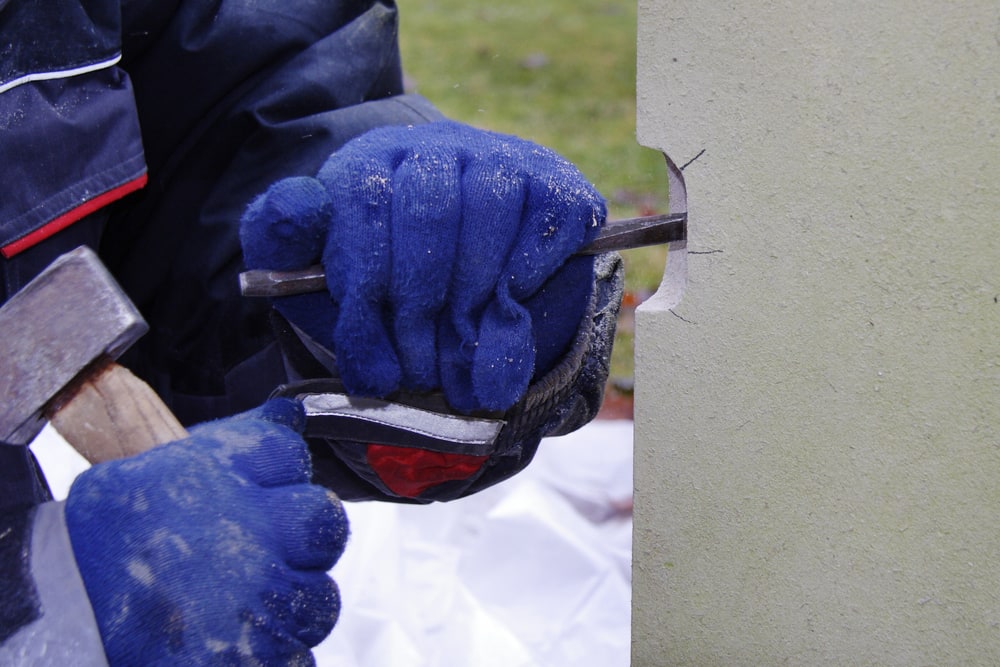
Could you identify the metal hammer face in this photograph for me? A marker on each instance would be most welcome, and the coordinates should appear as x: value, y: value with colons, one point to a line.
x: 71, y: 315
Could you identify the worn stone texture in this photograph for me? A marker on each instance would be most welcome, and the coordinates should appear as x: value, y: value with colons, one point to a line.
x: 818, y: 413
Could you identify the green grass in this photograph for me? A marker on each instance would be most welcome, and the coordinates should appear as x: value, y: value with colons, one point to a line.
x: 558, y: 72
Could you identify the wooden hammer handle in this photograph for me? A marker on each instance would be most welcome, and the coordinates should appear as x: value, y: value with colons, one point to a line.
x: 111, y: 414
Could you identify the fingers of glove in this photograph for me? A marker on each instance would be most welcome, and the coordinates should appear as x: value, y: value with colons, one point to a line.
x: 358, y: 264
x: 366, y: 359
x: 493, y: 196
x: 267, y: 452
x: 357, y: 254
x: 284, y: 411
x: 557, y: 310
x: 279, y: 458
x: 313, y: 525
x: 285, y: 227
x: 505, y: 359
x: 456, y: 357
x: 308, y: 609
x: 562, y: 212
x: 278, y: 415
x: 426, y: 218
x: 521, y: 341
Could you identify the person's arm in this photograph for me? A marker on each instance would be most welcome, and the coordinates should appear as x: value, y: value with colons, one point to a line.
x: 210, y: 550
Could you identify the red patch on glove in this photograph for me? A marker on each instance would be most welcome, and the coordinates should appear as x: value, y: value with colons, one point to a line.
x: 408, y: 472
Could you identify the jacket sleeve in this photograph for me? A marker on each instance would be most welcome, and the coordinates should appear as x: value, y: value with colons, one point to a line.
x: 71, y: 142
x: 46, y: 615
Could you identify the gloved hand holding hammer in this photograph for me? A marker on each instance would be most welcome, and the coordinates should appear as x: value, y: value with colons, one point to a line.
x: 211, y: 550
x: 207, y: 551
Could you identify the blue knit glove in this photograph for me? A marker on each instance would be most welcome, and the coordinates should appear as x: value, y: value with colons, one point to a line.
x: 211, y: 550
x: 445, y: 249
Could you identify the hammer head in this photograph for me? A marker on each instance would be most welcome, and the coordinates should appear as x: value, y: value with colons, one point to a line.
x: 70, y: 315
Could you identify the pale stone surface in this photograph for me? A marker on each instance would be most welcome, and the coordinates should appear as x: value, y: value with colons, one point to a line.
x: 818, y: 418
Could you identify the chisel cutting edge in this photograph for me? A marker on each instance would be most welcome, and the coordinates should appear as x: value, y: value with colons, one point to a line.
x: 614, y: 235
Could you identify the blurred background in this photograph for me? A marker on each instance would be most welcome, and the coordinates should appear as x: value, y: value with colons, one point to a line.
x: 561, y: 73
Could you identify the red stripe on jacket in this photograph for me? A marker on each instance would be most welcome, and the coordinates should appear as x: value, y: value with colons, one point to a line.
x: 69, y: 217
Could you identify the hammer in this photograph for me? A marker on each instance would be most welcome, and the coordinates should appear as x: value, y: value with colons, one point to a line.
x: 61, y: 335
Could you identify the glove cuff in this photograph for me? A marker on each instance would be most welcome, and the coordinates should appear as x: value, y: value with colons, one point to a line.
x: 368, y: 449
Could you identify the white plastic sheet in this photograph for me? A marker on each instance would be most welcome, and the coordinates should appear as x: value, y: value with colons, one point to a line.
x: 534, y: 572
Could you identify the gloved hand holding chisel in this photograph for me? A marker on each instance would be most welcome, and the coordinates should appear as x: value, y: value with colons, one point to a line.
x: 447, y: 253
x: 206, y: 551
